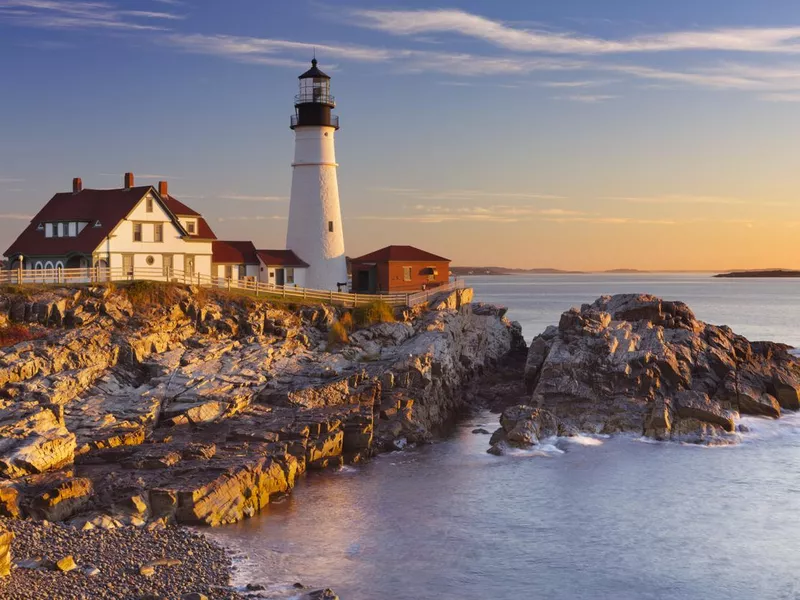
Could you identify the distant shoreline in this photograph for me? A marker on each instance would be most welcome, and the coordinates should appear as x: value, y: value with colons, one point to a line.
x: 768, y: 273
x: 493, y: 271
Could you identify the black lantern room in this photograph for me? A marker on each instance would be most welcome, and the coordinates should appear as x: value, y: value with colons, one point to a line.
x: 314, y: 103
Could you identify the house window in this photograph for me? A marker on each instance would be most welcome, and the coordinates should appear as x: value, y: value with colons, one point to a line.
x: 406, y: 273
x: 189, y: 264
x: 158, y: 232
x: 149, y: 260
x: 228, y: 272
x: 60, y: 230
x: 242, y: 271
x: 137, y: 232
x: 149, y: 204
x: 190, y: 227
x: 166, y: 262
x: 330, y: 226
x: 127, y: 265
x: 290, y: 275
x: 48, y: 230
x: 72, y: 229
x: 431, y: 272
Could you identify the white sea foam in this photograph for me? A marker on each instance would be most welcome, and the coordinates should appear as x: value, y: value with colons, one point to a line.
x: 584, y: 440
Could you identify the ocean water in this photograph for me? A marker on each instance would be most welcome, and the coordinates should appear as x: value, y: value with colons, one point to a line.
x: 584, y: 518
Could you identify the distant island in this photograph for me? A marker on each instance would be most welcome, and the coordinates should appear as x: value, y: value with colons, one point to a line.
x: 763, y: 273
x: 461, y: 271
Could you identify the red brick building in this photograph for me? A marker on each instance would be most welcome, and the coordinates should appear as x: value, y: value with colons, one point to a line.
x: 398, y: 269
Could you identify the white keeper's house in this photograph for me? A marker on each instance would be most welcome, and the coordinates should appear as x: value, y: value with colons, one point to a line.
x: 140, y: 229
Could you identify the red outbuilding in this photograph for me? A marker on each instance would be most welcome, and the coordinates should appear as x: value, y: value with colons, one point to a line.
x: 398, y: 269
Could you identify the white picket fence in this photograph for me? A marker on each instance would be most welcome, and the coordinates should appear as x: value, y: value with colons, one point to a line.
x: 88, y: 275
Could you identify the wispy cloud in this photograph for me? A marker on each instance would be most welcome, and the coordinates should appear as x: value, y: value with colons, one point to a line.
x: 16, y: 216
x: 253, y: 198
x: 497, y: 33
x: 677, y: 199
x: 253, y: 218
x: 288, y: 53
x: 143, y: 176
x: 586, y: 98
x: 601, y: 220
x: 464, y: 195
x: 10, y: 180
x: 64, y: 14
x: 781, y: 97
x: 578, y: 84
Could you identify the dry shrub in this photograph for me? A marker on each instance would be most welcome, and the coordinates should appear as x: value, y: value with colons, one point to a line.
x: 376, y: 311
x: 347, y: 321
x: 146, y: 294
x: 14, y: 333
x: 337, y: 335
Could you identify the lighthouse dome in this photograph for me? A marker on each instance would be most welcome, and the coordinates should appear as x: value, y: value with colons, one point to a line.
x: 313, y: 72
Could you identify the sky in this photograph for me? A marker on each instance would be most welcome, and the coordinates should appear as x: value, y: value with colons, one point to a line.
x: 572, y: 134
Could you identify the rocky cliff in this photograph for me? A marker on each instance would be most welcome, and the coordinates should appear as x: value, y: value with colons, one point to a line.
x: 637, y: 363
x: 152, y: 405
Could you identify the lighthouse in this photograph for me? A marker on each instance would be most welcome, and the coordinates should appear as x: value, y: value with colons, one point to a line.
x: 315, y: 218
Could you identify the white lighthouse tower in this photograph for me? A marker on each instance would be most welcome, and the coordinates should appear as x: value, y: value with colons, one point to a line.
x: 315, y: 219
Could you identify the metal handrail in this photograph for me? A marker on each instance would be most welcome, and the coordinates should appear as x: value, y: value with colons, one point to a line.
x: 334, y: 121
x: 305, y: 97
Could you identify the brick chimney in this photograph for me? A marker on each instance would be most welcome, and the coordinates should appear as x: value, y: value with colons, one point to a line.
x: 77, y: 185
x: 163, y: 190
x: 128, y: 180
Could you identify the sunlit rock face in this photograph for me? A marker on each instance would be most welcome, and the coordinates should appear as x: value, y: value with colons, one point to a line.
x: 638, y: 363
x: 201, y: 408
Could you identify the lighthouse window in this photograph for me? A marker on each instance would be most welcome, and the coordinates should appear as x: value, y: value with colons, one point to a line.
x: 330, y: 226
x: 406, y: 273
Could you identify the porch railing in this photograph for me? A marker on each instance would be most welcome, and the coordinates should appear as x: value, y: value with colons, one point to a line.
x: 90, y: 275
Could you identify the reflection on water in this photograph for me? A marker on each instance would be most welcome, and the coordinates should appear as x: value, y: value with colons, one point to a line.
x: 578, y: 519
x: 612, y: 519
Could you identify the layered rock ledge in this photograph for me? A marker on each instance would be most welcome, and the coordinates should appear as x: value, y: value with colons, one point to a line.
x: 637, y: 363
x: 149, y: 405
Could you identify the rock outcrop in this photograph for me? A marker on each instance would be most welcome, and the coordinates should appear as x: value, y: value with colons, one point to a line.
x: 638, y: 363
x: 155, y: 404
x: 5, y: 552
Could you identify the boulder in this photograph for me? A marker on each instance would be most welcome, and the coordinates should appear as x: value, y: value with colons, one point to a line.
x: 5, y: 552
x: 59, y: 500
x: 33, y: 439
x: 635, y: 362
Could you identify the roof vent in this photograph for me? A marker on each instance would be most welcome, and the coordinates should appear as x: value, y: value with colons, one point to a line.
x: 97, y: 224
x: 128, y: 180
x: 40, y: 227
x: 77, y: 185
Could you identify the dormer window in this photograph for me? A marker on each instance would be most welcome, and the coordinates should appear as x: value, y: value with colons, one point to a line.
x: 48, y: 230
x: 190, y: 227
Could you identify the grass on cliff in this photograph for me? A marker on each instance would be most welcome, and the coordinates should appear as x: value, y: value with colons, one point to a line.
x: 15, y: 333
x: 337, y: 335
x: 376, y: 311
x: 147, y: 294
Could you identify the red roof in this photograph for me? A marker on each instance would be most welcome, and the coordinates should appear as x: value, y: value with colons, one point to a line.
x: 400, y: 253
x: 108, y: 207
x: 204, y: 232
x: 280, y: 258
x: 238, y: 253
x: 179, y: 208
